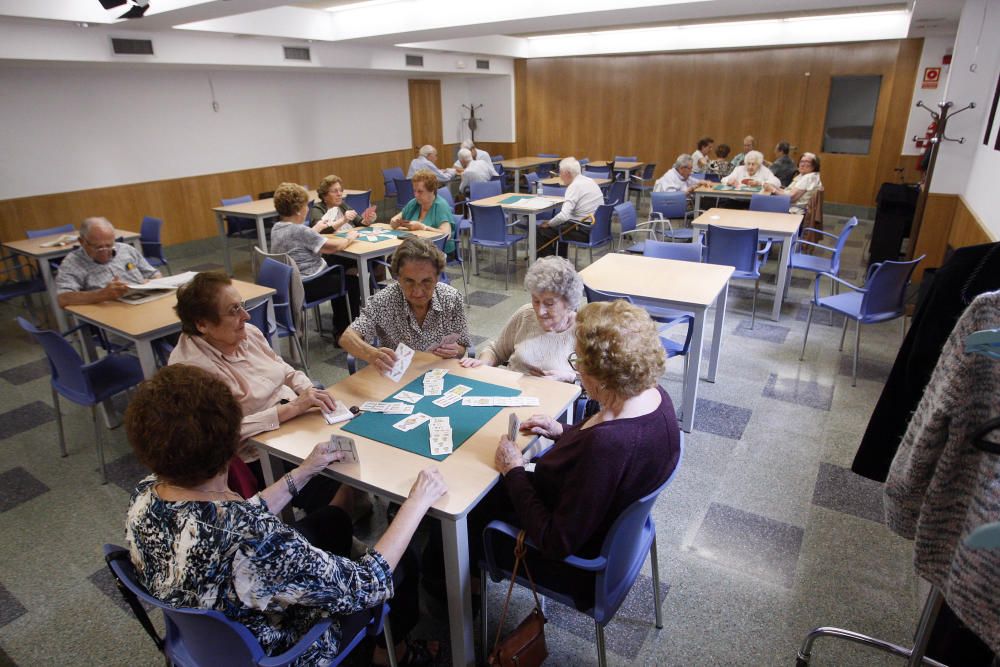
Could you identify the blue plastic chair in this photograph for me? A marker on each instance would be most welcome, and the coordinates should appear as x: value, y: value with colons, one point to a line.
x: 883, y: 298
x: 617, y: 193
x: 87, y: 384
x: 599, y: 232
x: 389, y: 177
x: 404, y: 192
x: 665, y: 207
x: 626, y: 158
x: 484, y: 189
x: 359, y: 202
x: 440, y: 243
x: 698, y: 175
x: 260, y: 319
x: 489, y: 230
x: 532, y: 182
x: 278, y: 277
x: 19, y: 278
x: 497, y: 158
x: 770, y: 203
x: 152, y: 246
x: 202, y: 637
x: 631, y: 537
x: 597, y: 171
x: 665, y: 316
x: 684, y: 252
x: 738, y: 248
x: 819, y: 263
x: 38, y: 233
x: 237, y: 226
x: 629, y: 225
x: 642, y: 183
x: 314, y: 304
x: 584, y: 161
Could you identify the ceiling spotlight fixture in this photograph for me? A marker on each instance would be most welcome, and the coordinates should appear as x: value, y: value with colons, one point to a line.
x: 137, y: 8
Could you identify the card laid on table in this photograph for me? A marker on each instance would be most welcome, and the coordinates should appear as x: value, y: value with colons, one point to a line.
x: 447, y: 399
x: 411, y: 422
x: 408, y: 396
x: 341, y: 414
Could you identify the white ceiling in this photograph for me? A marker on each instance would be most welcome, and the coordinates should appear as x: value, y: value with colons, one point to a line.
x: 509, y: 28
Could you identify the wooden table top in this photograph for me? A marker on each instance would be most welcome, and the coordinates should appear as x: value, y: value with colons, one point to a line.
x: 775, y: 223
x: 139, y: 320
x: 469, y: 471
x: 33, y: 247
x: 709, y: 189
x: 558, y: 183
x: 496, y: 199
x: 360, y: 247
x: 671, y: 280
x: 527, y: 162
x: 266, y: 206
x: 618, y: 165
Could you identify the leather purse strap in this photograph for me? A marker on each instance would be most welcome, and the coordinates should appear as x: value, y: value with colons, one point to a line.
x: 519, y: 554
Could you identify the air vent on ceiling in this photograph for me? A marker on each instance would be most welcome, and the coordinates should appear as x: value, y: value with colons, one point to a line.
x: 414, y: 61
x: 482, y: 64
x: 297, y: 53
x: 131, y: 47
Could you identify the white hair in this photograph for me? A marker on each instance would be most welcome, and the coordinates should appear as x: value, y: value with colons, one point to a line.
x: 570, y: 165
x: 556, y: 275
x: 468, y: 144
x: 91, y: 223
x: 426, y: 150
x: 754, y: 156
x: 465, y: 155
x: 683, y: 160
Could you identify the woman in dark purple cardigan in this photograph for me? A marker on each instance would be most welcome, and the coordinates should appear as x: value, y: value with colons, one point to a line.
x: 598, y: 468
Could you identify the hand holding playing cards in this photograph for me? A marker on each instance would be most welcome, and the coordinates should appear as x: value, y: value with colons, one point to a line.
x: 542, y: 425
x: 314, y: 398
x: 449, y: 350
x: 383, y: 359
x: 322, y: 455
x: 428, y: 488
x: 507, y: 456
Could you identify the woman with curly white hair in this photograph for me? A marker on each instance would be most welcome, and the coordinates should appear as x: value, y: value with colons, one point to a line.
x: 538, y: 338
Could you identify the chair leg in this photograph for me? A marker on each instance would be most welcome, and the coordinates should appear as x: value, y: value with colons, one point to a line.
x: 390, y: 644
x: 99, y: 443
x: 62, y: 435
x: 843, y: 333
x: 857, y: 345
x: 602, y: 655
x: 809, y: 319
x: 655, y: 565
x: 753, y: 308
x: 302, y: 354
x: 902, y: 328
x: 304, y: 347
x: 484, y: 626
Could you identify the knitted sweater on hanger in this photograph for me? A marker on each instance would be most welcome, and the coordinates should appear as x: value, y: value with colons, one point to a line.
x: 940, y: 487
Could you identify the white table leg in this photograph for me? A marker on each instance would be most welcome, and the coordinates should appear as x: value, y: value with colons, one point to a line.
x: 144, y: 346
x: 459, y: 586
x: 517, y: 180
x: 261, y: 234
x: 779, y: 288
x: 720, y: 316
x: 697, y: 200
x: 693, y: 372
x: 532, y: 237
x: 221, y: 224
x: 50, y: 287
x: 366, y: 288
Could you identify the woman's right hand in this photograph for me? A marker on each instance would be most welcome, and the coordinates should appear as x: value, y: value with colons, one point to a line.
x: 350, y: 215
x: 428, y: 488
x: 542, y: 425
x: 395, y: 220
x: 352, y: 235
x: 314, y: 398
x: 383, y: 359
x: 470, y: 362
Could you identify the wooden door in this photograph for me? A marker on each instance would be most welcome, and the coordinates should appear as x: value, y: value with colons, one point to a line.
x: 425, y: 112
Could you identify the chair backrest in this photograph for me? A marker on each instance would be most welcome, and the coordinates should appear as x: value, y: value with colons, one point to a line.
x: 278, y: 277
x: 626, y: 546
x: 685, y: 252
x: 626, y: 158
x: 597, y: 171
x: 601, y: 229
x: 149, y: 229
x: 698, y: 175
x: 532, y: 178
x: 445, y: 194
x: 886, y: 289
x: 732, y: 247
x: 555, y: 155
x: 497, y: 158
x: 592, y: 295
x: 838, y: 248
x: 268, y: 194
x: 626, y: 216
x: 484, y: 189
x: 61, y: 229
x: 242, y: 199
x: 404, y: 191
x: 770, y: 203
x: 259, y: 318
x: 65, y: 363
x: 649, y: 171
x: 617, y: 193
x: 670, y: 205
x: 389, y: 177
x: 715, y: 178
x: 584, y: 161
x: 488, y: 223
x: 359, y: 202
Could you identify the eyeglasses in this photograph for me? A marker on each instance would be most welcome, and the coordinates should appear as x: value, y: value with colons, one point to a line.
x: 572, y: 360
x: 99, y: 248
x: 237, y: 308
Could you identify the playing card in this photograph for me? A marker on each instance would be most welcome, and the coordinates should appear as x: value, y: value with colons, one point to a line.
x: 433, y: 387
x: 371, y: 239
x: 404, y: 355
x: 449, y: 339
x: 505, y: 401
x: 373, y: 406
x: 441, y: 444
x: 447, y: 399
x: 398, y: 409
x: 408, y: 396
x: 460, y: 390
x: 342, y: 443
x: 439, y: 424
x: 411, y: 422
x: 528, y: 401
x: 341, y: 414
x: 513, y: 425
x: 478, y: 401
x: 437, y: 373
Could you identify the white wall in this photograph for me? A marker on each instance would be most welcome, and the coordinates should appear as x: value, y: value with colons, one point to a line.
x: 933, y: 52
x: 73, y: 128
x: 495, y: 118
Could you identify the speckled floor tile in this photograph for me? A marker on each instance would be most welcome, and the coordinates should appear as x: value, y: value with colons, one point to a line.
x: 868, y: 369
x: 126, y: 472
x: 772, y: 333
x: 485, y: 299
x: 26, y: 372
x: 802, y: 392
x: 841, y: 490
x: 17, y: 486
x: 25, y: 417
x: 10, y: 607
x: 721, y: 418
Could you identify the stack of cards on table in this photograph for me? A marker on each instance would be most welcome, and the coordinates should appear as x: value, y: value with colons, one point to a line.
x: 440, y: 428
x: 500, y: 401
x: 434, y: 382
x: 454, y: 395
x: 388, y: 408
x: 404, y: 355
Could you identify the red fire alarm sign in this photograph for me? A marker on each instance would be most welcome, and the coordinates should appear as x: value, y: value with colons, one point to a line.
x: 931, y: 77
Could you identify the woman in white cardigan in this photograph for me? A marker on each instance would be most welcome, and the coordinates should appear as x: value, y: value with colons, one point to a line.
x: 752, y: 173
x: 539, y: 337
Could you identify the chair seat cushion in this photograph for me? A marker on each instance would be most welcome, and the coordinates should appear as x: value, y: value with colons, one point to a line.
x: 847, y: 303
x: 684, y: 233
x: 109, y: 376
x: 638, y: 248
x: 811, y: 262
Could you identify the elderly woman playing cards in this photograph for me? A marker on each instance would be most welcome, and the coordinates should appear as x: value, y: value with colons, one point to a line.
x: 538, y: 338
x: 197, y: 543
x: 416, y: 311
x: 599, y: 467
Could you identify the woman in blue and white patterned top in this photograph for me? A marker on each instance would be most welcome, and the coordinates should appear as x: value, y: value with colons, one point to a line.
x: 196, y: 543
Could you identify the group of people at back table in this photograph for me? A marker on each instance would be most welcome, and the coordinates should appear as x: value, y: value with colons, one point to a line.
x: 203, y: 529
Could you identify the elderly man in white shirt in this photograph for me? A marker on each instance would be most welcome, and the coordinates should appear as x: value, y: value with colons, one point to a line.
x: 678, y: 178
x: 426, y: 159
x: 752, y: 173
x: 479, y: 155
x: 583, y: 196
x: 473, y: 171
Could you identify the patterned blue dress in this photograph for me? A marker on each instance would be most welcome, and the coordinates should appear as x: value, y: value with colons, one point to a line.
x: 238, y: 558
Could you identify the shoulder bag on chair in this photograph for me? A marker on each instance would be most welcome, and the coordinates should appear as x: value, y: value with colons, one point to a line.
x: 525, y: 646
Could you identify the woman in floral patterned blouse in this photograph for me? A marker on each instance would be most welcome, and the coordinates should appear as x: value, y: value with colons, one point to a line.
x: 196, y: 543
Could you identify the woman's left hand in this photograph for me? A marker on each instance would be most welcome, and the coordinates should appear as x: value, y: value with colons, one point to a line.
x: 559, y: 376
x: 507, y: 456
x: 319, y: 458
x: 448, y: 350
